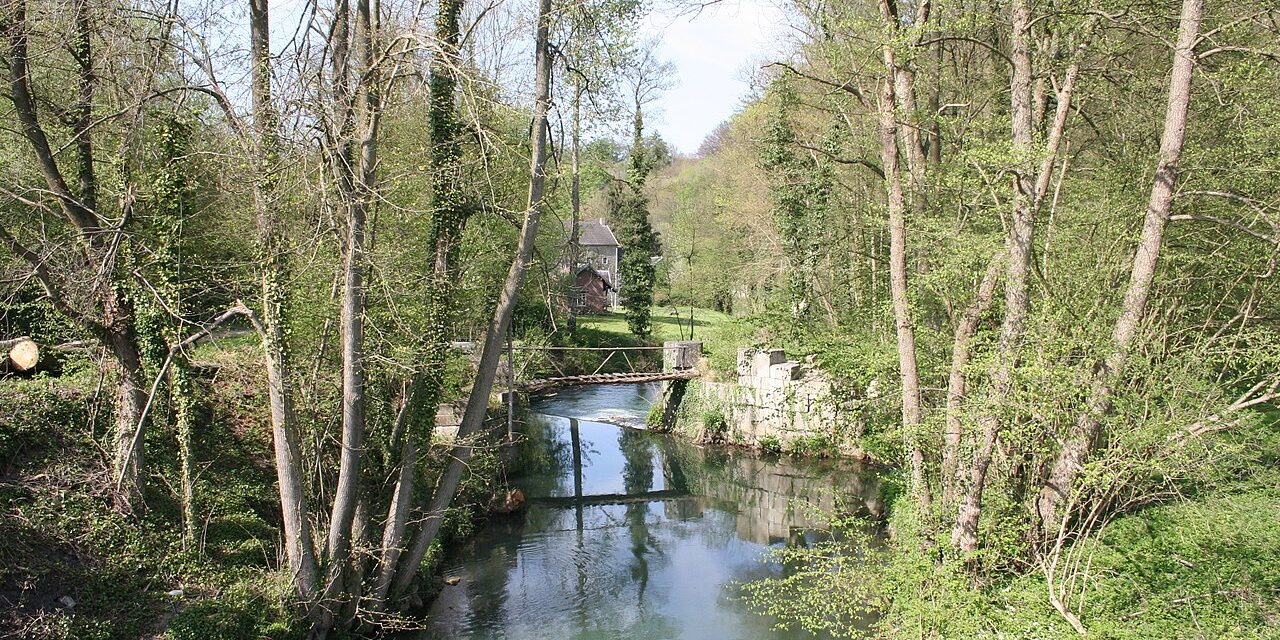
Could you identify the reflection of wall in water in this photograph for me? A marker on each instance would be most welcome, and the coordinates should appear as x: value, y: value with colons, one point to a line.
x: 772, y: 499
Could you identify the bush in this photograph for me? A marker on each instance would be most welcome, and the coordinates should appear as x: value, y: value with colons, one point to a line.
x: 817, y: 445
x: 771, y: 444
x: 714, y: 426
x: 654, y: 419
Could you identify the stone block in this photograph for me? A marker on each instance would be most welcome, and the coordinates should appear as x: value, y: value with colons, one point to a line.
x: 679, y: 355
x: 760, y: 363
x: 745, y: 360
x: 784, y: 371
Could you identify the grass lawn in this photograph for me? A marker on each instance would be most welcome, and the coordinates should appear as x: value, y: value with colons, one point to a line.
x: 720, y: 334
x: 666, y: 326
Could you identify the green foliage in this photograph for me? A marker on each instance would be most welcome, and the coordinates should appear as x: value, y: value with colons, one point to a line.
x: 653, y: 419
x: 59, y: 536
x: 771, y: 444
x: 814, y: 445
x: 853, y: 585
x: 240, y: 612
x: 34, y: 415
x: 636, y: 272
x: 714, y: 425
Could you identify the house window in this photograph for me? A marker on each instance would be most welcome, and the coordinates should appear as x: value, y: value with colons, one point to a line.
x: 580, y: 300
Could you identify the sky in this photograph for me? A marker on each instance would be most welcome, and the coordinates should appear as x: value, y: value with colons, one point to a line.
x: 715, y: 53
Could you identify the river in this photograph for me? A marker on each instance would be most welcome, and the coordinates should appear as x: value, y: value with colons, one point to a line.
x: 631, y: 534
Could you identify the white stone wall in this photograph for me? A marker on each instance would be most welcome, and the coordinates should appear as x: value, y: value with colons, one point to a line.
x: 786, y: 399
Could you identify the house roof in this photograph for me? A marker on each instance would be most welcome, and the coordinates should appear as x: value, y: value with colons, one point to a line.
x: 595, y: 272
x: 594, y: 231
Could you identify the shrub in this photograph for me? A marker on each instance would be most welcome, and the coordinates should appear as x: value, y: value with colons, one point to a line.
x: 714, y: 426
x: 654, y: 419
x: 771, y: 444
x: 813, y: 445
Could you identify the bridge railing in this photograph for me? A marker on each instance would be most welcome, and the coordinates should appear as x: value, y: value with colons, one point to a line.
x: 679, y: 358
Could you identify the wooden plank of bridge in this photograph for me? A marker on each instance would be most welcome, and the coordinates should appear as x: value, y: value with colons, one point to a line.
x: 605, y: 378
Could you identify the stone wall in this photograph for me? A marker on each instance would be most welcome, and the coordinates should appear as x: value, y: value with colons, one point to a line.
x: 778, y: 399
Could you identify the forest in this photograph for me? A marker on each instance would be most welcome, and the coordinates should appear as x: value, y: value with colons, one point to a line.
x: 251, y: 251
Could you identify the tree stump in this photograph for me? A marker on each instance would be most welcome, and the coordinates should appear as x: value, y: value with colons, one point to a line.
x: 23, y: 354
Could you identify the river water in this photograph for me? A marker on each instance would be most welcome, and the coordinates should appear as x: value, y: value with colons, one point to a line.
x: 636, y: 535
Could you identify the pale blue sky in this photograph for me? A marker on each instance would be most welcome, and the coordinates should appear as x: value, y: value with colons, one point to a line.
x: 715, y: 54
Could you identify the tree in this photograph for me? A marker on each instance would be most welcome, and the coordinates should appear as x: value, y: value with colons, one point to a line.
x: 271, y: 268
x: 1029, y: 191
x: 908, y: 368
x: 478, y: 400
x: 598, y: 39
x: 449, y: 214
x: 637, y: 274
x: 1058, y: 486
x: 788, y: 190
x: 105, y: 312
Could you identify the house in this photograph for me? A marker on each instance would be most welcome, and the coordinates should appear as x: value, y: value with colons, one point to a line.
x: 598, y: 250
x: 592, y: 292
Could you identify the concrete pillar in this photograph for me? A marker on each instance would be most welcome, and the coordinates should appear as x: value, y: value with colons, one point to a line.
x: 678, y: 355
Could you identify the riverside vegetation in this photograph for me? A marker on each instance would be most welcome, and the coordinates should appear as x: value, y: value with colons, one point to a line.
x: 1036, y: 241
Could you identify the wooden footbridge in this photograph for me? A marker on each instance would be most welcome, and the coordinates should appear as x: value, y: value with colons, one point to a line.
x: 679, y: 361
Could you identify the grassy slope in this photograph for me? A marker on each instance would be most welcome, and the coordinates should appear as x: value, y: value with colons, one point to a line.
x: 1202, y: 568
x: 720, y: 334
x: 59, y: 537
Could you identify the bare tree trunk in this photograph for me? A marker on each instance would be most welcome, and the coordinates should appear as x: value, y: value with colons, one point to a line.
x: 449, y: 217
x: 131, y: 397
x: 1029, y: 192
x: 575, y: 206
x: 961, y: 354
x: 359, y: 200
x: 1088, y: 426
x: 910, y: 135
x: 299, y: 545
x: 910, y: 376
x: 114, y: 325
x: 478, y: 402
x: 1016, y: 302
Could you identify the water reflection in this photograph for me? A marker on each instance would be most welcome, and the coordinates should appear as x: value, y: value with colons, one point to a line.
x: 630, y: 534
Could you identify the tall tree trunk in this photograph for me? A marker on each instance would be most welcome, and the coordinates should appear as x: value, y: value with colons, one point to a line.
x: 575, y: 205
x: 478, y: 402
x: 131, y: 398
x: 114, y: 325
x: 184, y: 422
x: 1029, y: 191
x: 910, y: 376
x: 961, y: 354
x: 359, y: 200
x: 294, y: 511
x: 913, y: 134
x: 1066, y: 468
x: 449, y: 218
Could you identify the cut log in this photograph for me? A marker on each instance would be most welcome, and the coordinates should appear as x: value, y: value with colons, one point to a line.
x: 24, y: 355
